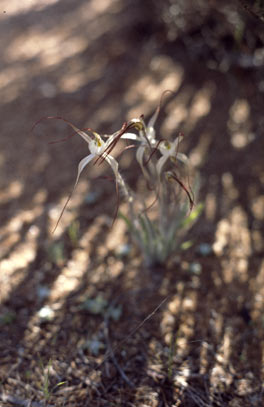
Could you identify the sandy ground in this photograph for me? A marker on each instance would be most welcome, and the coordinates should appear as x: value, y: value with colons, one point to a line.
x: 98, y: 63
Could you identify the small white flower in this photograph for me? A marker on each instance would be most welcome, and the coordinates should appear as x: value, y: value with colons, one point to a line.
x: 97, y: 147
x: 145, y: 137
x: 99, y: 150
x: 168, y: 151
x: 148, y: 143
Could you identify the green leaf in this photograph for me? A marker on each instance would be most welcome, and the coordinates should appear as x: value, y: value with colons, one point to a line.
x: 73, y: 232
x: 186, y: 245
x: 127, y: 221
x: 56, y: 253
x: 193, y: 216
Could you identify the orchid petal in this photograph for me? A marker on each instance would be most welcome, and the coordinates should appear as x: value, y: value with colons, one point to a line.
x: 113, y: 164
x: 81, y: 133
x: 160, y: 164
x: 153, y: 119
x: 151, y: 134
x: 182, y: 157
x: 140, y: 157
x: 82, y: 165
x: 130, y: 136
x: 179, y: 138
x: 113, y: 138
x: 119, y: 180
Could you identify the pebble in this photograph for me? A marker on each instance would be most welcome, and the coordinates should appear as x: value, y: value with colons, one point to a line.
x: 46, y: 313
x: 123, y: 250
x: 195, y: 268
x: 204, y: 249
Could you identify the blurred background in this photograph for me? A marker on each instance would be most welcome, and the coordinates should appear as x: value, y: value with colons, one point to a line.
x: 98, y: 63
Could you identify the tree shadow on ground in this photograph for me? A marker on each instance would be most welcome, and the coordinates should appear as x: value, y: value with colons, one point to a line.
x: 199, y: 345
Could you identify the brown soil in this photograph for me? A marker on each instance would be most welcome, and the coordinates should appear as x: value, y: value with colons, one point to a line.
x: 188, y: 334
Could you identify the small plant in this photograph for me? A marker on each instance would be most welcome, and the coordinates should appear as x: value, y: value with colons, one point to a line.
x: 46, y: 387
x: 158, y: 228
x: 7, y: 318
x: 159, y: 216
x: 56, y: 253
x: 100, y: 306
x: 73, y: 233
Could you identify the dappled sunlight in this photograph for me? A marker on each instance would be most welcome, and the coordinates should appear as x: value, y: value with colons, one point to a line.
x: 56, y: 44
x: 210, y: 207
x: 184, y: 117
x: 9, y: 75
x: 232, y: 235
x: 26, y: 216
x: 239, y: 244
x: 241, y: 140
x: 176, y: 116
x: 36, y: 43
x: 15, y: 7
x: 229, y: 188
x: 70, y: 276
x: 199, y: 153
x: 222, y: 356
x: 164, y: 75
x: 177, y: 110
x: 14, y: 266
x: 116, y: 236
x: 99, y: 7
x: 76, y: 77
x: 239, y: 124
x: 201, y: 104
x: 13, y: 191
x: 257, y: 206
x: 44, y: 49
x: 69, y: 212
x: 196, y: 321
x: 180, y: 310
x: 257, y: 285
x: 12, y: 83
x: 239, y: 112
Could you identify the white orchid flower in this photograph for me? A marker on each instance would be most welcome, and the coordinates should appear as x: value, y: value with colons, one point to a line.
x: 98, y: 149
x: 169, y: 151
x: 97, y: 146
x: 145, y: 137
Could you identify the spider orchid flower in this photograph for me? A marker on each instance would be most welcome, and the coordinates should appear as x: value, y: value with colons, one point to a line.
x: 97, y: 147
x: 145, y: 137
x: 169, y: 151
